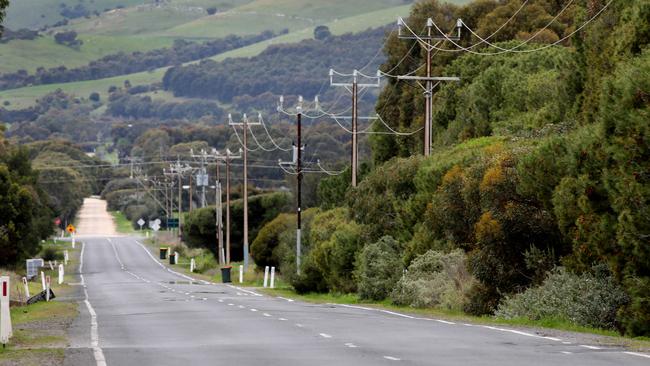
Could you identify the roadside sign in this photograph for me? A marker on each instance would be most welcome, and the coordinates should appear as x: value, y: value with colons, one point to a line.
x: 154, y: 226
x: 70, y: 229
x: 141, y: 223
x: 172, y: 223
x: 57, y: 221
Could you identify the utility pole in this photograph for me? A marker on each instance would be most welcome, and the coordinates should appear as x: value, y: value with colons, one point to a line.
x: 132, y: 160
x: 179, y: 170
x: 426, y: 42
x: 245, y: 123
x: 228, y: 160
x: 202, y: 178
x: 354, y: 88
x: 297, y: 163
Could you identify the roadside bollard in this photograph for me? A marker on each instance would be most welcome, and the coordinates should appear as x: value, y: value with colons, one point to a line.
x: 272, y: 277
x: 65, y: 257
x: 192, y: 265
x: 47, y: 288
x: 266, y: 276
x: 61, y: 273
x: 51, y: 265
x: 43, y: 280
x: 5, y: 315
x: 26, y: 288
x: 241, y: 274
x: 73, y: 240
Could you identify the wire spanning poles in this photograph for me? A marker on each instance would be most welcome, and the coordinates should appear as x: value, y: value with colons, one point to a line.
x: 354, y: 88
x: 427, y: 43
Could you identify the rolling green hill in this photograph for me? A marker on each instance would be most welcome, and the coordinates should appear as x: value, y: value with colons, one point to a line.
x: 23, y: 97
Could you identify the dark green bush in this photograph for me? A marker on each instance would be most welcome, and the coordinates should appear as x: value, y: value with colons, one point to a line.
x: 51, y: 254
x: 379, y: 267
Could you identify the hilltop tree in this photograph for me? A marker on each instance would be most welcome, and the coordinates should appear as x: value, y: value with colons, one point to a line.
x: 3, y: 6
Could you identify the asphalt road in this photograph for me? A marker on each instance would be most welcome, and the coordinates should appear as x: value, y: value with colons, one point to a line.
x: 147, y: 315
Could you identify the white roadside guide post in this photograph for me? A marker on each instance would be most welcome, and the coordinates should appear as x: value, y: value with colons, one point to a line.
x: 5, y: 315
x: 266, y: 276
x: 47, y: 288
x: 65, y: 257
x: 73, y: 240
x: 43, y: 280
x: 272, y: 277
x: 26, y: 288
x: 192, y: 265
x: 241, y: 274
x: 61, y: 273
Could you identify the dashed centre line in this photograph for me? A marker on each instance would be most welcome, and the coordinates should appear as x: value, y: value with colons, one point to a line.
x: 392, y: 358
x: 325, y: 335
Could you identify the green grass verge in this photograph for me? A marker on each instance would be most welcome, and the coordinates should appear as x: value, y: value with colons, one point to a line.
x: 122, y: 223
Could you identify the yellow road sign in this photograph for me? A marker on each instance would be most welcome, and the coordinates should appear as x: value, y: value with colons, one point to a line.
x: 70, y: 229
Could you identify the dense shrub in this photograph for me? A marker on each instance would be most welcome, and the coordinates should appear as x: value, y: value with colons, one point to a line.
x: 335, y: 242
x: 379, y: 267
x: 51, y: 254
x: 263, y: 248
x: 435, y: 279
x: 589, y: 299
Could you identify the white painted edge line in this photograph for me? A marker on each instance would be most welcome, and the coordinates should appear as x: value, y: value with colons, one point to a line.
x: 285, y: 299
x: 589, y: 347
x: 283, y: 319
x: 637, y: 354
x: 98, y: 354
x: 392, y: 358
x: 247, y: 291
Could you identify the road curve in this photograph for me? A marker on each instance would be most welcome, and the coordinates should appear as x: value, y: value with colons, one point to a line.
x: 147, y: 315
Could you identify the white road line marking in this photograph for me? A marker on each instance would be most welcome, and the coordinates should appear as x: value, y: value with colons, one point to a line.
x: 325, y: 335
x: 205, y: 299
x: 392, y: 358
x: 398, y: 314
x: 553, y: 339
x: 285, y: 299
x: 253, y: 310
x: 567, y: 352
x: 566, y: 342
x: 115, y: 251
x: 242, y: 290
x: 589, y: 347
x: 515, y: 332
x: 353, y: 307
x: 220, y: 300
x: 444, y: 321
x: 98, y: 354
x: 299, y: 325
x: 266, y: 314
x: 637, y: 354
x: 187, y: 293
x: 282, y: 319
x: 351, y: 345
x: 468, y: 325
x: 231, y: 304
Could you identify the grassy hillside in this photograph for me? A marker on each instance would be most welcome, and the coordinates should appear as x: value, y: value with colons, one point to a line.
x: 20, y: 98
x: 37, y: 13
x: 43, y: 51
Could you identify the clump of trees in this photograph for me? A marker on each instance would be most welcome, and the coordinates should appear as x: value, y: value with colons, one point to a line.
x: 25, y: 215
x: 280, y: 69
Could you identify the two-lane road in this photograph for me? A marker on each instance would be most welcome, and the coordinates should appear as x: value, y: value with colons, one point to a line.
x: 146, y: 315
